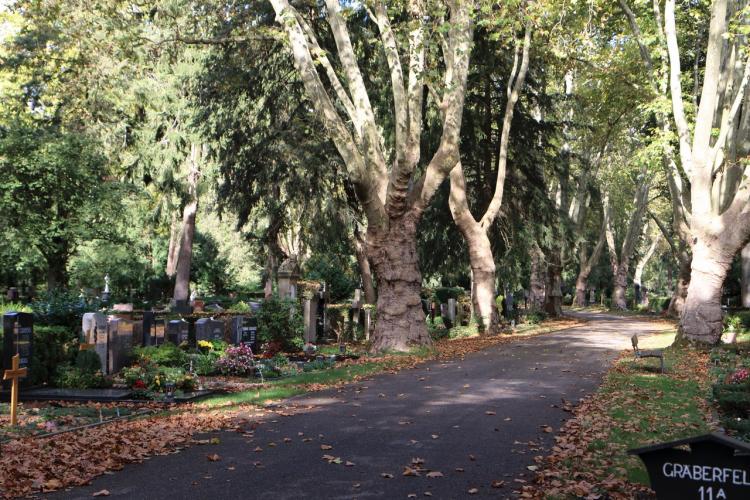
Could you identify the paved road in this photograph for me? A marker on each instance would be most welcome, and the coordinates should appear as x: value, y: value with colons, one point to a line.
x: 472, y: 420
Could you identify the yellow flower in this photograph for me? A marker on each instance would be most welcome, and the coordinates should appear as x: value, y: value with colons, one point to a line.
x: 205, y: 343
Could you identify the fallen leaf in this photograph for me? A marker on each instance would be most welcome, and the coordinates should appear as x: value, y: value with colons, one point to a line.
x: 258, y: 449
x: 101, y: 493
x: 434, y: 474
x: 349, y: 464
x: 489, y: 413
x: 498, y: 484
x: 386, y: 475
x: 435, y: 436
x: 325, y: 447
x: 213, y: 457
x: 408, y: 471
x: 473, y: 491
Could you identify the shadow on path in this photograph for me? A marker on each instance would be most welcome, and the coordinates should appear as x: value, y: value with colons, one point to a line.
x: 476, y: 420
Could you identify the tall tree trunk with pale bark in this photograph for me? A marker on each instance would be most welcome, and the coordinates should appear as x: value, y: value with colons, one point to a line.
x: 620, y: 261
x: 185, y: 253
x: 587, y: 265
x: 392, y: 191
x: 537, y: 278
x: 712, y: 151
x: 475, y: 231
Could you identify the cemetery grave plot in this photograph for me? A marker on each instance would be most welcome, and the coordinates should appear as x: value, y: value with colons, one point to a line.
x: 38, y: 419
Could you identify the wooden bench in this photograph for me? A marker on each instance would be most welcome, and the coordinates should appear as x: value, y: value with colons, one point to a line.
x: 657, y: 353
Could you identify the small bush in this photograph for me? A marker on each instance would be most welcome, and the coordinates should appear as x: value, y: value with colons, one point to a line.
x: 535, y: 317
x: 72, y: 377
x: 62, y: 308
x: 280, y: 321
x: 53, y: 346
x: 88, y: 362
x: 166, y: 354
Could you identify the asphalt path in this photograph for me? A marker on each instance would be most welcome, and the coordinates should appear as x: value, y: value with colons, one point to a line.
x: 474, y: 421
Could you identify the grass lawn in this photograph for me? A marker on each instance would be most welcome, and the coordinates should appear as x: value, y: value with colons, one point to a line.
x: 635, y: 406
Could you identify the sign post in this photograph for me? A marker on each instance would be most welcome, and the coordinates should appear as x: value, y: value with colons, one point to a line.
x: 708, y: 467
x: 14, y: 374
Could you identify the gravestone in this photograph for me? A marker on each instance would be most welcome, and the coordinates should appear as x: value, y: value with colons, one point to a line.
x: 209, y: 329
x: 509, y: 305
x: 13, y: 294
x: 321, y: 319
x: 433, y: 308
x: 123, y: 310
x: 288, y: 274
x: 446, y: 317
x: 592, y: 296
x: 452, y: 311
x: 149, y: 318
x: 177, y: 331
x: 18, y: 338
x: 459, y: 314
x: 367, y: 323
x: 310, y: 317
x: 120, y: 344
x: 245, y: 331
x: 94, y: 327
x: 708, y: 467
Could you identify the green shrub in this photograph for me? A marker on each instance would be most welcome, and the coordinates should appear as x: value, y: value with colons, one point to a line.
x: 88, y: 362
x: 53, y: 346
x: 72, y: 377
x: 733, y: 399
x: 280, y: 320
x: 535, y: 317
x: 166, y: 354
x: 744, y: 318
x: 337, y: 273
x: 63, y: 308
x: 14, y: 307
x: 205, y: 364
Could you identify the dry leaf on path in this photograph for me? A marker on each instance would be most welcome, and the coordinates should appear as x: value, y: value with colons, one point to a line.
x: 101, y: 493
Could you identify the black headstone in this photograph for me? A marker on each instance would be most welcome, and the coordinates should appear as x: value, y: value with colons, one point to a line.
x: 708, y: 467
x: 180, y: 306
x: 177, y: 331
x: 245, y: 331
x: 18, y: 338
x: 209, y: 329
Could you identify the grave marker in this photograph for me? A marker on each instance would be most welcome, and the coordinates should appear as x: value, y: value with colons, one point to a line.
x: 13, y: 375
x: 18, y: 338
x: 177, y: 331
x: 119, y: 345
x: 209, y: 329
x: 245, y: 331
x: 708, y: 467
x: 310, y: 317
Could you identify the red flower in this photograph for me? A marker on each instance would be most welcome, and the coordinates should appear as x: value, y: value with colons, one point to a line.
x: 139, y: 384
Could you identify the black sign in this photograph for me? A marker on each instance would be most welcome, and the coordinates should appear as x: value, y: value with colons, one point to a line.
x: 177, y: 331
x: 18, y: 338
x: 250, y: 332
x: 709, y: 467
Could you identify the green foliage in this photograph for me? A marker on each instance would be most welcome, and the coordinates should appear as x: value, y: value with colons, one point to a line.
x: 60, y: 307
x: 733, y: 322
x: 14, y: 307
x: 54, y: 346
x: 88, y: 361
x: 205, y: 364
x: 744, y: 318
x: 280, y: 320
x: 166, y: 354
x: 72, y: 377
x: 339, y: 276
x: 319, y: 364
x: 535, y: 317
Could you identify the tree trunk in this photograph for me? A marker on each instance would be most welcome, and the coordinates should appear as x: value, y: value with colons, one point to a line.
x: 702, y: 316
x: 360, y: 248
x: 620, y: 285
x: 587, y: 265
x: 537, y: 279
x: 174, y: 242
x: 677, y: 303
x: 57, y: 263
x: 400, y: 322
x: 745, y: 258
x: 582, y: 283
x: 185, y: 256
x: 553, y: 286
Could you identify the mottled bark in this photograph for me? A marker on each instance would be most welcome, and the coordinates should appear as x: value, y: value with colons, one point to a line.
x: 185, y: 255
x: 400, y: 321
x: 360, y: 249
x: 537, y: 279
x: 174, y: 245
x: 702, y: 316
x: 745, y: 259
x: 587, y: 265
x: 677, y: 303
x: 553, y: 285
